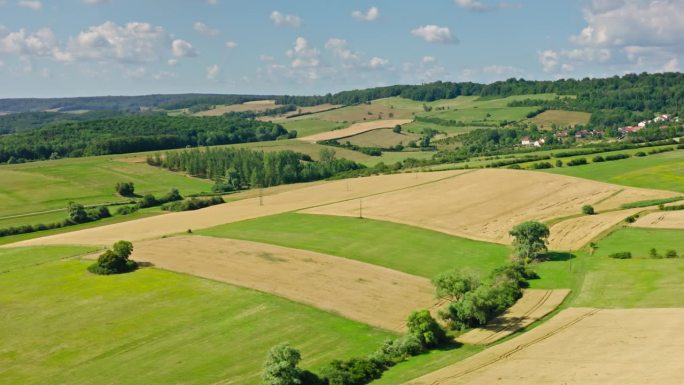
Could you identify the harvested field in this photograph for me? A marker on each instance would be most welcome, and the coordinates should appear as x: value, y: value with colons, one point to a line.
x: 662, y: 220
x: 581, y: 346
x: 309, y: 195
x: 355, y: 129
x: 256, y: 106
x: 576, y: 232
x: 383, y: 137
x: 561, y: 118
x: 486, y: 204
x: 533, y: 305
x: 356, y: 290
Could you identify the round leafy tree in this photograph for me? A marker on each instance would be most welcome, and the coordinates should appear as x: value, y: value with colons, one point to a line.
x: 115, y: 261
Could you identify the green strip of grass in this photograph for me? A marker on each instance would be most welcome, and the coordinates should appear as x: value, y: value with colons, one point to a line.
x: 651, y: 202
x: 63, y: 325
x: 405, y: 248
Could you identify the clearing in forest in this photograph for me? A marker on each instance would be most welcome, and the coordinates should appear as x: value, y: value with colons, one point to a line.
x: 581, y: 346
x: 486, y: 204
x: 355, y: 290
x: 355, y: 129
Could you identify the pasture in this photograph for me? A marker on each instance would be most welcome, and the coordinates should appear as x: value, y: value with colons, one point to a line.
x: 383, y: 138
x: 90, y: 327
x: 306, y: 127
x: 560, y: 118
x: 354, y: 129
x: 664, y: 171
x: 361, y: 291
x: 409, y: 249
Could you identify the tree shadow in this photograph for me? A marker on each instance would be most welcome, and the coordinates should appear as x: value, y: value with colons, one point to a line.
x: 558, y: 256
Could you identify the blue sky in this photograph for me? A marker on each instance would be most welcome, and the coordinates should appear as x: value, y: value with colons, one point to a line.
x: 124, y: 47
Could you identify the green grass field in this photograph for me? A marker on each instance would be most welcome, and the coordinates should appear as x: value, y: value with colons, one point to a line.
x: 306, y: 127
x: 46, y: 185
x: 405, y: 248
x: 661, y: 171
x: 62, y: 324
x: 599, y: 281
x: 560, y: 118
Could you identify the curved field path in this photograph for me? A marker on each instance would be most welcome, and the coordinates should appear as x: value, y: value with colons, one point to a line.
x: 371, y: 294
x: 534, y: 305
x: 581, y: 346
x: 355, y: 129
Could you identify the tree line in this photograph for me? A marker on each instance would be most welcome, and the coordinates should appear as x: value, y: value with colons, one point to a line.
x: 134, y: 134
x: 234, y: 169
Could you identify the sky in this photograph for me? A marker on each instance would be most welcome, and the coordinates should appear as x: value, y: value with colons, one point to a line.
x: 51, y: 48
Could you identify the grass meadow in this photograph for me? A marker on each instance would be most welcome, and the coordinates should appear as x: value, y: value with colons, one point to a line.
x: 150, y: 326
x: 405, y: 248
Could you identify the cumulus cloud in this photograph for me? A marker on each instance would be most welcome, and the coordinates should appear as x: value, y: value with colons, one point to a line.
x: 632, y: 35
x: 282, y: 20
x: 435, y: 34
x: 40, y: 43
x: 377, y: 62
x: 182, y: 48
x: 428, y: 59
x: 548, y: 60
x: 231, y: 44
x: 302, y: 55
x: 204, y: 29
x: 371, y: 15
x: 340, y: 49
x: 35, y: 5
x: 213, y: 72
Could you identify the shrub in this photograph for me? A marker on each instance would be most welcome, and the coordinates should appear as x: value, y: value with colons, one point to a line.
x: 616, y: 157
x: 192, y: 204
x: 542, y: 165
x: 148, y: 200
x: 126, y: 210
x: 577, y: 162
x: 114, y: 261
x: 671, y: 254
x: 354, y: 371
x: 588, y: 210
x: 422, y: 326
x: 125, y: 189
x: 621, y: 255
x: 559, y: 163
x: 597, y: 159
x: 632, y: 218
x: 653, y: 253
x: 640, y: 154
x: 399, y: 349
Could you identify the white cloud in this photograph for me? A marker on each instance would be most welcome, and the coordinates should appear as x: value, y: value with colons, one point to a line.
x: 371, y: 15
x: 204, y: 29
x: 474, y: 5
x: 339, y: 48
x: 231, y: 44
x: 182, y: 48
x: 35, y: 5
x: 428, y: 59
x: 435, y: 34
x: 302, y: 55
x: 627, y: 35
x: 283, y: 20
x: 41, y: 43
x: 549, y: 60
x: 212, y: 2
x: 213, y: 72
x: 96, y: 2
x: 377, y: 62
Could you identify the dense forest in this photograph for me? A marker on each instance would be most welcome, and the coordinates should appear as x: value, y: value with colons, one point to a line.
x: 133, y: 134
x: 122, y: 103
x: 25, y: 121
x: 235, y: 169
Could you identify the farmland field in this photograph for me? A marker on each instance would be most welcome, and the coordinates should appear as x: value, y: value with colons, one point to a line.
x: 381, y: 138
x: 560, y: 118
x: 355, y: 129
x: 199, y: 331
x: 404, y: 248
x: 306, y: 127
x: 664, y: 171
x: 662, y: 220
x: 362, y: 292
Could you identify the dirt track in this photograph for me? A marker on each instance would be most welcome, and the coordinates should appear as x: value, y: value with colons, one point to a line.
x: 308, y: 195
x: 581, y: 346
x: 355, y: 129
x: 366, y: 293
x: 533, y: 305
x: 485, y: 204
x: 662, y: 220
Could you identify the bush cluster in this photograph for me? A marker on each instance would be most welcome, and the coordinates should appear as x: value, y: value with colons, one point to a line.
x: 588, y: 210
x: 125, y: 189
x: 577, y: 162
x: 192, y: 204
x: 621, y: 255
x: 115, y: 261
